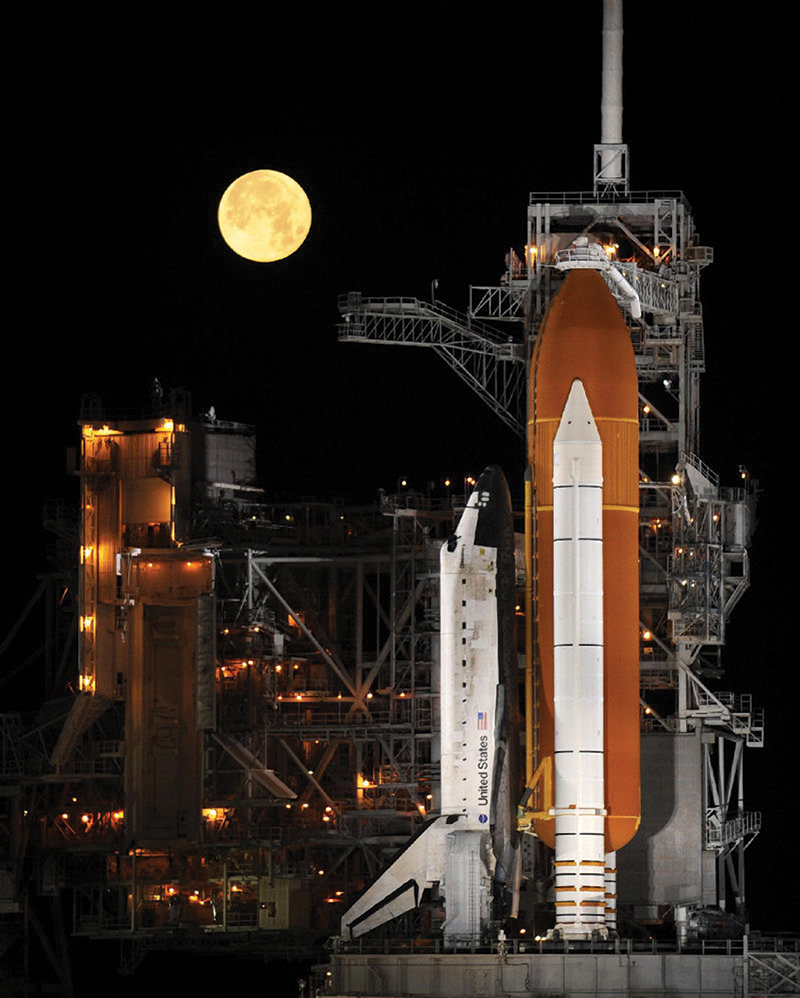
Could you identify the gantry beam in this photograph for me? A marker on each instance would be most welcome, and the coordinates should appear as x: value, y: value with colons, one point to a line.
x: 492, y: 365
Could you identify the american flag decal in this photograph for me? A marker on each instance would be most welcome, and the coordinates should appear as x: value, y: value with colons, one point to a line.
x: 482, y: 720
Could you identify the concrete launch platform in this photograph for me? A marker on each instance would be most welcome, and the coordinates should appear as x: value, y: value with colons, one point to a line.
x: 725, y: 969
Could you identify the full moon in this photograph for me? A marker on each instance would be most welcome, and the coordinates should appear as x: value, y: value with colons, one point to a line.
x: 264, y: 216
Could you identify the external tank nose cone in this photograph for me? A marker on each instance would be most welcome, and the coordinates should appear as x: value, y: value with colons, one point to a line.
x: 584, y: 335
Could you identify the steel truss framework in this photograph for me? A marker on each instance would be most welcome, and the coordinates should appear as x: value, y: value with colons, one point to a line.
x: 492, y: 365
x: 320, y: 752
x: 772, y: 972
x: 355, y: 630
x: 729, y: 724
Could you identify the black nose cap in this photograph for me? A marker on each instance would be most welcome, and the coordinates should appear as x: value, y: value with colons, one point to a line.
x: 494, y: 505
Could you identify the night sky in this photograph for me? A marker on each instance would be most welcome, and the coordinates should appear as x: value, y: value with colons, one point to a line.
x: 418, y: 133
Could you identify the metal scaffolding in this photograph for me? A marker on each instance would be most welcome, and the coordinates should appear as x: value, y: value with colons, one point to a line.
x: 315, y: 690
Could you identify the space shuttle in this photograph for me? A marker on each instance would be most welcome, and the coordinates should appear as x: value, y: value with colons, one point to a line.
x: 468, y: 851
x: 583, y: 454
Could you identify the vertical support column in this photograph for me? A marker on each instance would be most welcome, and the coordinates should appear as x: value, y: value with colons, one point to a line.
x: 723, y: 815
x: 611, y: 892
x: 250, y: 581
x: 225, y: 896
x: 133, y: 890
x: 393, y: 608
x: 359, y: 635
x: 683, y: 700
x: 88, y: 581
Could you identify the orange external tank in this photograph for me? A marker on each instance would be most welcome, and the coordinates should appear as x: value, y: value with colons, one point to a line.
x: 584, y: 336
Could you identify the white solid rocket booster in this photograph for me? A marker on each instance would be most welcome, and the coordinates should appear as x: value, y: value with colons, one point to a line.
x: 578, y: 670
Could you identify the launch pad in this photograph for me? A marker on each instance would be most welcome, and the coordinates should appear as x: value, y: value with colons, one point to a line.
x: 618, y: 970
x: 257, y: 728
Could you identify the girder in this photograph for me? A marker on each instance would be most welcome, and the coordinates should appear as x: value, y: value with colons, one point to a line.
x: 492, y: 365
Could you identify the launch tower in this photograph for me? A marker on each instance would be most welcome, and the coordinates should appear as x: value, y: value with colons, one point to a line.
x: 681, y: 877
